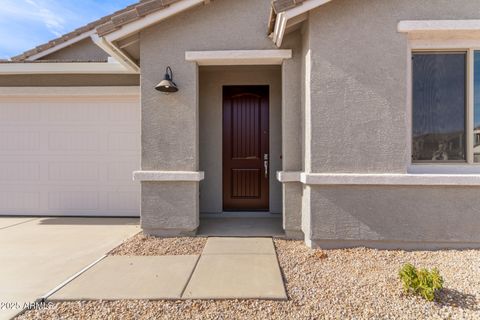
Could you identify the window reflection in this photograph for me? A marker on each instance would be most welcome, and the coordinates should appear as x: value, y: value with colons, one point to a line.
x: 439, y: 104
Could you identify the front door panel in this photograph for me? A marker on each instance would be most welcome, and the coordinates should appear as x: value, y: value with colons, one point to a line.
x: 245, y: 148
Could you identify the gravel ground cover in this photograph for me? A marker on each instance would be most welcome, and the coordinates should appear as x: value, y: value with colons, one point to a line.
x: 143, y: 245
x: 334, y: 284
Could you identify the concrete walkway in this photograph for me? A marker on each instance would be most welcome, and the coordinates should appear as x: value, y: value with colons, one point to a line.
x: 229, y: 225
x: 38, y: 254
x: 237, y: 268
x: 228, y: 268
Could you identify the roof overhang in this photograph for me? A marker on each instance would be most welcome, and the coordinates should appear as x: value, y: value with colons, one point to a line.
x: 291, y: 17
x: 117, y: 53
x: 136, y: 26
x: 115, y: 42
x: 64, y: 68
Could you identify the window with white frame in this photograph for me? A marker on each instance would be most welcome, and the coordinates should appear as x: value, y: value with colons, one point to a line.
x: 446, y: 106
x: 444, y: 92
x: 439, y: 106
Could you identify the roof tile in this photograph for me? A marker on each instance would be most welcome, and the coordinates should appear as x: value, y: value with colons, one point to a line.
x: 106, y: 28
x: 150, y: 6
x: 282, y: 5
x: 125, y: 17
x: 136, y: 12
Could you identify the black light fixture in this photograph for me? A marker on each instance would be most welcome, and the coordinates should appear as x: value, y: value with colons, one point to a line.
x: 167, y: 85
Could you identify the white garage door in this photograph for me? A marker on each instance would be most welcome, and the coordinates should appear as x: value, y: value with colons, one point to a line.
x: 69, y: 151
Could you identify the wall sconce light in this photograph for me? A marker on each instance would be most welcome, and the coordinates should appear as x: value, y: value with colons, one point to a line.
x: 167, y: 85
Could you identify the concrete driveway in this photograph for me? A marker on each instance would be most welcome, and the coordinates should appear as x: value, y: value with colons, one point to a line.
x: 38, y: 254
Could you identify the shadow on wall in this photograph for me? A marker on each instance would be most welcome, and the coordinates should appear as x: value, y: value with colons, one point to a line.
x: 396, y: 213
x: 89, y: 221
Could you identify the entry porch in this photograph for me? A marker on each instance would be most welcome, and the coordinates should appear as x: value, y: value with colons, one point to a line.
x: 243, y: 123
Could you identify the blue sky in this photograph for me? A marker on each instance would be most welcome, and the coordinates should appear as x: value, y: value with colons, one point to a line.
x: 24, y: 24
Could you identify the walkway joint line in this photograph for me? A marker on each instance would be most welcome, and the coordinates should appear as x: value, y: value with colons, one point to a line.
x: 64, y: 283
x: 191, y: 275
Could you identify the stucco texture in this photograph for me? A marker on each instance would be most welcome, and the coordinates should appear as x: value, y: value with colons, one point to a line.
x: 84, y: 50
x: 169, y: 208
x: 356, y: 122
x: 212, y: 80
x: 417, y: 215
x: 165, y: 45
x: 170, y: 125
x: 359, y: 77
x: 292, y: 133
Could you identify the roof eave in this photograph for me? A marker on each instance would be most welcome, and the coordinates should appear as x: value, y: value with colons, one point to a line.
x: 136, y: 26
x: 117, y: 53
x: 63, y: 68
x: 109, y: 41
x: 295, y: 10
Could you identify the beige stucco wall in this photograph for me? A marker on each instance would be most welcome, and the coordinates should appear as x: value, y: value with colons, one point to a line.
x: 359, y: 77
x: 356, y: 122
x: 395, y: 216
x: 84, y: 50
x: 165, y: 44
x: 292, y: 129
x: 212, y: 80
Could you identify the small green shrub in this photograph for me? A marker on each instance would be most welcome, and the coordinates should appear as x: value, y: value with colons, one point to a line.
x: 420, y: 281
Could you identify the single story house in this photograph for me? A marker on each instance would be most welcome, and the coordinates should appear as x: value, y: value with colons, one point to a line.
x: 357, y: 120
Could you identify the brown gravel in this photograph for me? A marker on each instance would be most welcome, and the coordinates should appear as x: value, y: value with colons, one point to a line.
x: 143, y: 245
x: 334, y: 284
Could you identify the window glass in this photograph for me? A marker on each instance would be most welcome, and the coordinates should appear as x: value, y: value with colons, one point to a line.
x: 439, y: 104
x: 476, y: 107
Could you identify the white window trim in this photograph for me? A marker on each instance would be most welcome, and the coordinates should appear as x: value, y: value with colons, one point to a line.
x: 412, y: 26
x: 434, y: 36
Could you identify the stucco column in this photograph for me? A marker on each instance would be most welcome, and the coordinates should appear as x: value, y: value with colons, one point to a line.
x: 292, y: 139
x: 170, y: 157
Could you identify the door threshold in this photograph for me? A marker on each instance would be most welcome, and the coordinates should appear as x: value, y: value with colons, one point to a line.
x: 241, y: 214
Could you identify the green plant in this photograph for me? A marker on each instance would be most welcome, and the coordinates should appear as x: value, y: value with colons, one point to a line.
x: 421, y: 281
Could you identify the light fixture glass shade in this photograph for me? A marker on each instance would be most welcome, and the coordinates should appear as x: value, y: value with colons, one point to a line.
x: 167, y: 84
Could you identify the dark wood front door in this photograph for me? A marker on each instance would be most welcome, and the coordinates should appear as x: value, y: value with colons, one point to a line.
x: 246, y: 158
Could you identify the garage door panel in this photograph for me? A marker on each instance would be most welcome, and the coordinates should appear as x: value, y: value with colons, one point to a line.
x: 61, y: 156
x: 122, y: 141
x: 121, y: 201
x: 73, y: 200
x: 19, y: 171
x: 14, y: 113
x: 120, y: 171
x: 74, y: 171
x: 74, y: 141
x: 15, y: 202
x: 27, y: 141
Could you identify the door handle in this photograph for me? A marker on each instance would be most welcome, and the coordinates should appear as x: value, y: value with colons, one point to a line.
x: 265, y: 164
